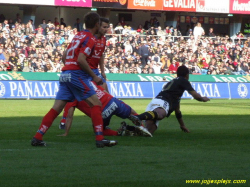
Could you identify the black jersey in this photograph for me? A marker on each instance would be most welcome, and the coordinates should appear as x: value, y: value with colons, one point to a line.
x: 172, y: 92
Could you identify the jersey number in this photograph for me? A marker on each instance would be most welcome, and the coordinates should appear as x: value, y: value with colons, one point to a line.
x: 168, y: 86
x: 71, y: 51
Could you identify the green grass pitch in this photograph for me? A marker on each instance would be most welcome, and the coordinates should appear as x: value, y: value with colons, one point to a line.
x: 218, y: 147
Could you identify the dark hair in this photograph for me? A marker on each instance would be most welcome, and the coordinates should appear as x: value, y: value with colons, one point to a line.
x: 105, y: 20
x: 90, y: 20
x: 182, y: 71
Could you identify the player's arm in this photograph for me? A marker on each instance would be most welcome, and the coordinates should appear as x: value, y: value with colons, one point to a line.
x: 85, y: 67
x: 178, y: 116
x: 198, y: 97
x: 69, y: 120
x: 64, y: 56
x: 101, y: 64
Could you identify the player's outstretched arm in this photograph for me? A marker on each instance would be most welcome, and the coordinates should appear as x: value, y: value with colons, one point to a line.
x: 198, y: 97
x: 178, y: 116
x: 69, y: 120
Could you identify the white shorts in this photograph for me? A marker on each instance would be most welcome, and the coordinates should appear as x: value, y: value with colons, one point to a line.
x: 158, y: 103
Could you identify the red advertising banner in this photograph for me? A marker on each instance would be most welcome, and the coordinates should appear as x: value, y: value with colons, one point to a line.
x: 180, y: 5
x: 239, y: 6
x: 76, y: 3
x: 145, y: 4
x: 211, y: 20
x: 110, y: 3
x: 188, y: 19
x: 201, y: 19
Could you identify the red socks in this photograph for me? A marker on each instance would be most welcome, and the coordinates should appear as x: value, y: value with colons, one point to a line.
x: 46, y: 123
x: 109, y: 132
x: 96, y: 116
x: 65, y: 113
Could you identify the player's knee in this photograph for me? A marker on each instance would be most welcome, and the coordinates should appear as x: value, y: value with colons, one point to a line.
x: 161, y: 114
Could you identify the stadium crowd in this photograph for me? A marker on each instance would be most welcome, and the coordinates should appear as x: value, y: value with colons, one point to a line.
x: 147, y: 49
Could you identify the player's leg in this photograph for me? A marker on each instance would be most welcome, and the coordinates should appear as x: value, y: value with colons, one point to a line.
x: 106, y: 130
x: 151, y: 126
x: 64, y: 117
x: 124, y: 111
x: 69, y: 119
x: 63, y: 95
x: 47, y: 122
x: 97, y: 121
x: 151, y: 112
x: 156, y: 110
x: 83, y: 89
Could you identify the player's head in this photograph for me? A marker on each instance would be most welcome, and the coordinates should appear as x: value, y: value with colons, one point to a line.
x: 104, y: 25
x: 183, y: 71
x: 92, y: 21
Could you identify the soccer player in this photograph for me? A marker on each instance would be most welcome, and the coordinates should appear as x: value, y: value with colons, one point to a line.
x: 75, y: 84
x: 110, y: 106
x: 167, y: 101
x: 98, y: 57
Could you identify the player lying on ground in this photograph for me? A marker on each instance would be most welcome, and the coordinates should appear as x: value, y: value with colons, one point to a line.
x: 110, y: 106
x: 167, y: 101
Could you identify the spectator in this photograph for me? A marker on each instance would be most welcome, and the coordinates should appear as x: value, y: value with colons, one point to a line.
x: 2, y: 57
x: 78, y: 25
x: 2, y: 39
x: 211, y: 32
x: 118, y: 29
x: 198, y: 31
x: 245, y: 67
x: 157, y: 67
x: 44, y: 27
x: 2, y: 18
x: 122, y: 22
x: 111, y: 29
x: 144, y: 53
x: 62, y: 22
x: 137, y: 51
x: 161, y: 33
x: 173, y: 67
x: 176, y: 32
x: 196, y: 69
x: 126, y: 30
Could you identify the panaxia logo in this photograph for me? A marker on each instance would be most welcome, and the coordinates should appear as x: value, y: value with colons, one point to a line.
x: 242, y: 90
x: 2, y: 89
x: 150, y: 3
x: 241, y: 6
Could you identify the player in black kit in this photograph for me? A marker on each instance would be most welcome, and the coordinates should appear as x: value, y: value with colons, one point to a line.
x: 167, y: 101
